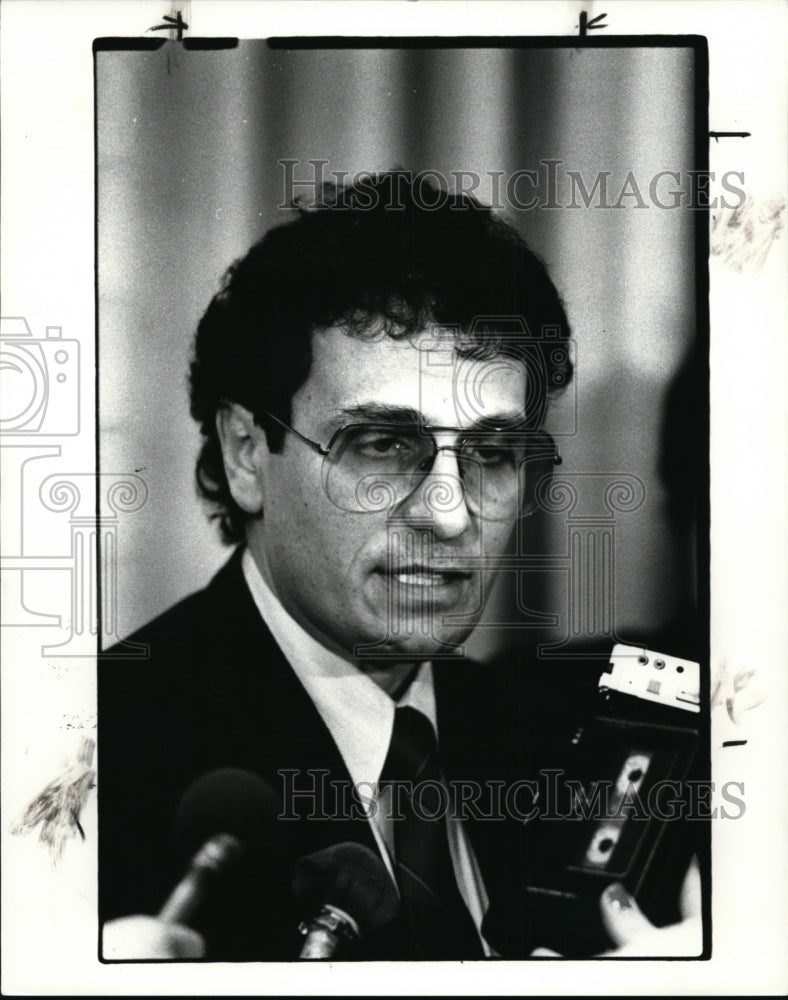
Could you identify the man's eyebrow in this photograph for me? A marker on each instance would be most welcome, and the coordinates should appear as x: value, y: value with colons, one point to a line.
x: 394, y: 414
x: 508, y: 420
x: 383, y: 412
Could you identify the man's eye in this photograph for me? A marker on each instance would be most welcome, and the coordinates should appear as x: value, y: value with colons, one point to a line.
x: 383, y: 445
x: 489, y: 453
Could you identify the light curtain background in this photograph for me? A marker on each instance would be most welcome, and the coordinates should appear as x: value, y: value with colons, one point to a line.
x: 188, y: 151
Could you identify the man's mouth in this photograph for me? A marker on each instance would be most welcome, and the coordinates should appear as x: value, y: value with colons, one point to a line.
x: 427, y: 576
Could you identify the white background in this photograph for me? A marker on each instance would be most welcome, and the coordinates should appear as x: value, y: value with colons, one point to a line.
x: 49, y: 933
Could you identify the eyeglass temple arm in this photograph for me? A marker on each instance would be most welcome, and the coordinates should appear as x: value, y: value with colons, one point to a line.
x: 547, y: 448
x: 321, y: 450
x: 312, y: 444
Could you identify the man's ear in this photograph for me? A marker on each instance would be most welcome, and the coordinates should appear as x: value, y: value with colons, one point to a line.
x: 244, y: 452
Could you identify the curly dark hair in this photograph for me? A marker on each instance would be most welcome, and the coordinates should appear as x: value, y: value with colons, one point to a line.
x: 388, y: 252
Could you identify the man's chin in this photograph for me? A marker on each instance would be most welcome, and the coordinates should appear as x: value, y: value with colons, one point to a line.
x: 420, y: 623
x: 440, y: 642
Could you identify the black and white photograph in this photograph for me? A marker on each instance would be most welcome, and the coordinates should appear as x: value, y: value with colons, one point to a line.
x: 395, y: 618
x: 372, y: 385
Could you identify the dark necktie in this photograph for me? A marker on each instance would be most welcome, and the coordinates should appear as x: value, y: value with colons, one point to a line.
x: 438, y: 922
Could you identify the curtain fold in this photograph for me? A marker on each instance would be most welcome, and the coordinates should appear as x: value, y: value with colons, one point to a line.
x: 190, y: 173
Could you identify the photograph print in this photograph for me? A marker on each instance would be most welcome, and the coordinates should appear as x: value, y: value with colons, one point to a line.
x: 403, y: 347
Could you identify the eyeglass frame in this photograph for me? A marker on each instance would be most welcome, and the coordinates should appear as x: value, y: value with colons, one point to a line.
x: 325, y: 450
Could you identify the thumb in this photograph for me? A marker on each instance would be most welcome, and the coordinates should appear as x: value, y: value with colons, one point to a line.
x: 621, y: 915
x: 690, y: 899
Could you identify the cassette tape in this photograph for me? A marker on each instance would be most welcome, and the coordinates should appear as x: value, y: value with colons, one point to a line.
x: 619, y: 804
x: 655, y: 677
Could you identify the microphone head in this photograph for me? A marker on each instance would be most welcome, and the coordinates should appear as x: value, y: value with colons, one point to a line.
x: 350, y: 877
x: 232, y: 802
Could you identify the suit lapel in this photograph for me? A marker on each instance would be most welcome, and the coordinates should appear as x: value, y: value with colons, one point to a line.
x: 276, y: 727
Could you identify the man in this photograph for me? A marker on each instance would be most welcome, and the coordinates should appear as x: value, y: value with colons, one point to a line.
x: 370, y: 384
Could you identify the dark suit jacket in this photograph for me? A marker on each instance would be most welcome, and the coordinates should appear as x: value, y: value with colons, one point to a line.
x: 217, y: 692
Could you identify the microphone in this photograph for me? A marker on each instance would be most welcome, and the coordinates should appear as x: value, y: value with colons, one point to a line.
x: 225, y: 816
x: 215, y: 857
x: 347, y: 892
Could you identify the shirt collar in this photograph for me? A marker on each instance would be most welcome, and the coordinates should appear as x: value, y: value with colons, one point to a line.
x: 358, y: 713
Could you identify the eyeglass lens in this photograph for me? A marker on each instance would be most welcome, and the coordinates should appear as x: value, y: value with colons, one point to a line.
x: 375, y: 468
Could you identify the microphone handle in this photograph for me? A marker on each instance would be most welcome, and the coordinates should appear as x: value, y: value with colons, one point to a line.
x: 189, y: 895
x: 331, y: 931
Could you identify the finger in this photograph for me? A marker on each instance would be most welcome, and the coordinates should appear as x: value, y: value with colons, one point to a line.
x: 545, y: 953
x: 621, y: 915
x: 682, y: 940
x: 690, y: 899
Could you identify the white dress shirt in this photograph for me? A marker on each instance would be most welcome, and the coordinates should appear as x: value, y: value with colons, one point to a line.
x: 360, y: 717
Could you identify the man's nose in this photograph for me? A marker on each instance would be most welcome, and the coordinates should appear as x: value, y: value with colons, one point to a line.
x: 440, y: 498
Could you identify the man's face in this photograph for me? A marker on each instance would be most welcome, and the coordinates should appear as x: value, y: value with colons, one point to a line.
x: 405, y: 581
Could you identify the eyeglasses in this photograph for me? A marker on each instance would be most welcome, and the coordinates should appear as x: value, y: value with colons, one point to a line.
x: 373, y: 467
